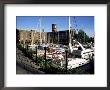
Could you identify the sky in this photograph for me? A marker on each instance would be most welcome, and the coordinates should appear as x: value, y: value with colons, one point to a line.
x: 78, y: 22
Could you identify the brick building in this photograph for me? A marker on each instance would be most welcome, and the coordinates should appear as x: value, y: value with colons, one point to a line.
x: 59, y: 37
x: 55, y: 36
x: 30, y: 37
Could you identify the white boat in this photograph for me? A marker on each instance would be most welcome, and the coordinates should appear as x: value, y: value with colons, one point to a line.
x: 77, y: 48
x: 33, y: 47
x: 76, y: 62
x: 81, y: 51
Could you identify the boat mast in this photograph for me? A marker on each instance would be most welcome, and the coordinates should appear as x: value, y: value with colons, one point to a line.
x: 58, y: 37
x: 69, y: 31
x: 40, y: 33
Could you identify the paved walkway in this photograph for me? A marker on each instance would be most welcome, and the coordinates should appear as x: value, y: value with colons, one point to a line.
x: 20, y: 70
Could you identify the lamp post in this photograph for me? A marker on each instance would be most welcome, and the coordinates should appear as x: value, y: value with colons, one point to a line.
x: 27, y: 50
x: 66, y: 60
x: 36, y: 55
x: 45, y: 58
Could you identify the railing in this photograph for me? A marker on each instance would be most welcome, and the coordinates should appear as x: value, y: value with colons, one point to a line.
x: 48, y: 66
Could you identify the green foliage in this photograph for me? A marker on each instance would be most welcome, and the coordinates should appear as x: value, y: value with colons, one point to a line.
x: 91, y: 39
x: 27, y: 53
x: 51, y: 68
x: 40, y: 60
x: 83, y: 37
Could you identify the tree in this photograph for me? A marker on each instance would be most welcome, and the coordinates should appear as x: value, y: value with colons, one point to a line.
x: 91, y: 39
x: 17, y: 36
x: 82, y: 36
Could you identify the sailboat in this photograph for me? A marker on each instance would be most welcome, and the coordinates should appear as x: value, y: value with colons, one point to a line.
x: 78, y: 49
